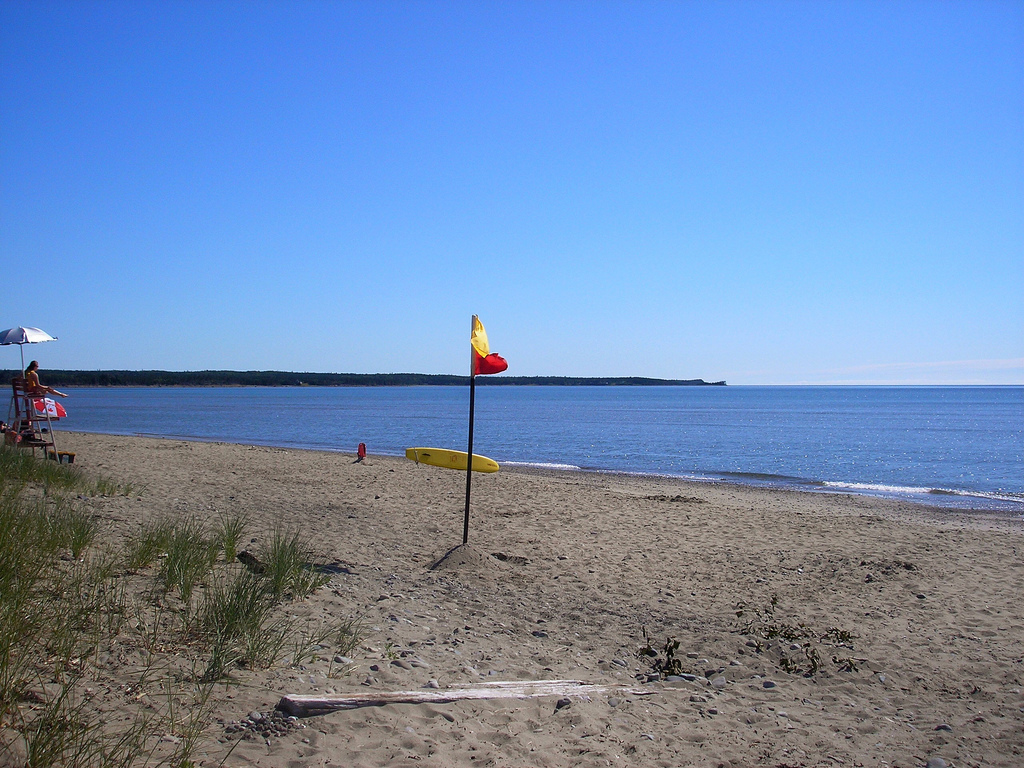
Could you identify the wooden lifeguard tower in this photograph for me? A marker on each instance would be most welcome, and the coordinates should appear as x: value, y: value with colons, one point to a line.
x: 30, y: 420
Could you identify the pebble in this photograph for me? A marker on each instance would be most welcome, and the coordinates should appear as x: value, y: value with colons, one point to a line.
x: 539, y: 633
x: 265, y: 726
x: 613, y: 702
x: 433, y: 684
x: 654, y: 677
x: 618, y: 662
x: 565, y: 701
x: 768, y: 684
x: 342, y: 660
x: 401, y: 664
x: 944, y: 727
x: 719, y: 682
x: 936, y: 762
x: 712, y: 710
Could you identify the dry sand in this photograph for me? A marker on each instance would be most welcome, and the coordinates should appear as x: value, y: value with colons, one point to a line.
x: 563, y: 574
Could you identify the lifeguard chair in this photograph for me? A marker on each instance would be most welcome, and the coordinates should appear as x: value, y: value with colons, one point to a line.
x: 30, y: 420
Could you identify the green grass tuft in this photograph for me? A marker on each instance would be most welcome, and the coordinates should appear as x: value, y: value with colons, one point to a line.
x: 229, y: 532
x: 290, y: 566
x: 153, y: 541
x: 190, y: 558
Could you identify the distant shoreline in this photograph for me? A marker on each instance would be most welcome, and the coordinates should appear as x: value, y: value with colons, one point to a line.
x: 58, y: 378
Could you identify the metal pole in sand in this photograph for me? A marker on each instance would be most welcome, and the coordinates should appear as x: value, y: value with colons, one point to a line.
x: 469, y: 450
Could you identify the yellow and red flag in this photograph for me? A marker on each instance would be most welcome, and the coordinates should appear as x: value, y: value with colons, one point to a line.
x: 484, y: 362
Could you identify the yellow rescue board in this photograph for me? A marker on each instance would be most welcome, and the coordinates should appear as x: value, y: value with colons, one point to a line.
x: 442, y: 457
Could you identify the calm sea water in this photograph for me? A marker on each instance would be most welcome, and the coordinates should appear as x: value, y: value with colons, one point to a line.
x: 953, y: 446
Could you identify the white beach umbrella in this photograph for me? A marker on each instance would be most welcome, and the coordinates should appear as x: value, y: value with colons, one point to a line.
x: 22, y: 336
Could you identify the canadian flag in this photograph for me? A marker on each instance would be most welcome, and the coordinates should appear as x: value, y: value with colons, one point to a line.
x: 49, y: 407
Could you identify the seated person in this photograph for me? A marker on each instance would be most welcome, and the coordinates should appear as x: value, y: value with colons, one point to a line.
x: 32, y: 385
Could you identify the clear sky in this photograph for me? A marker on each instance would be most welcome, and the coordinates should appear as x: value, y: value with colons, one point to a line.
x: 762, y: 192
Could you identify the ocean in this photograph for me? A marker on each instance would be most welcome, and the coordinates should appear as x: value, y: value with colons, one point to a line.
x: 959, y: 447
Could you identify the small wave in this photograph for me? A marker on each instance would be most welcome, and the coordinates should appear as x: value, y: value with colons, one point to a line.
x: 542, y: 465
x: 994, y: 496
x: 910, y: 491
x: 760, y: 475
x: 770, y: 477
x: 876, y: 487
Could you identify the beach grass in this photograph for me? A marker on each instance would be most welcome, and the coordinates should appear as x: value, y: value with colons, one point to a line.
x: 235, y: 620
x: 55, y: 605
x: 229, y: 531
x: 19, y: 467
x: 189, y: 555
x: 153, y: 540
x: 65, y: 604
x: 290, y: 565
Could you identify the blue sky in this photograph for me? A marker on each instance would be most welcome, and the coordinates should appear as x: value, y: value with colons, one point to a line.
x: 762, y: 192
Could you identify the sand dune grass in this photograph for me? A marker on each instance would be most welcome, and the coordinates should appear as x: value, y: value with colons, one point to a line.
x: 67, y: 607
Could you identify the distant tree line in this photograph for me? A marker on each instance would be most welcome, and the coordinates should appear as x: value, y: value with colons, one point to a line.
x: 58, y: 378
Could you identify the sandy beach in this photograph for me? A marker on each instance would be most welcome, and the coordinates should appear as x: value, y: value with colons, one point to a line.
x: 812, y: 629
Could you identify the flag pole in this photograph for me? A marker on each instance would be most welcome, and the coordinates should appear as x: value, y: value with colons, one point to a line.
x: 469, y: 450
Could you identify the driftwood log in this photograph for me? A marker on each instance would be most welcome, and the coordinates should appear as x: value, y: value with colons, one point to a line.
x: 306, y: 706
